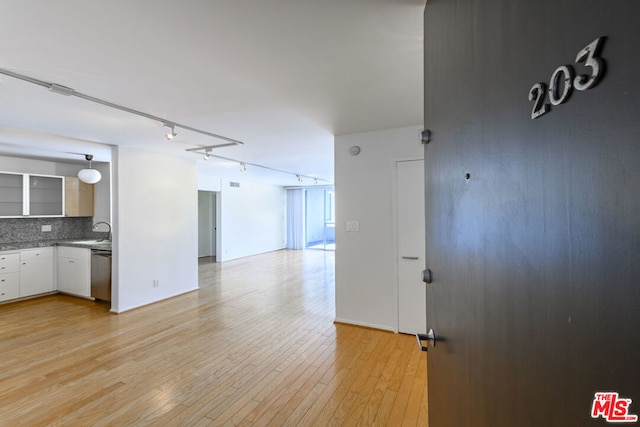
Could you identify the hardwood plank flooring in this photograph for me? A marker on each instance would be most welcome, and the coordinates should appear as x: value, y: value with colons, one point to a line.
x: 256, y: 345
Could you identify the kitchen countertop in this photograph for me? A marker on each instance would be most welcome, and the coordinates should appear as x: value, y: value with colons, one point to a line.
x: 77, y: 243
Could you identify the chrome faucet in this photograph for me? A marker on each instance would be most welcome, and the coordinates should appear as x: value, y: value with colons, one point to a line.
x: 95, y: 228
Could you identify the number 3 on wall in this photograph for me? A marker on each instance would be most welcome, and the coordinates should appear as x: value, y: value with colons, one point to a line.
x: 564, y: 74
x: 588, y: 55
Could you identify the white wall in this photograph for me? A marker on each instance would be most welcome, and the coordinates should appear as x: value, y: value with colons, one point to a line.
x: 208, y: 179
x: 251, y: 219
x: 20, y: 165
x: 366, y: 267
x: 155, y: 227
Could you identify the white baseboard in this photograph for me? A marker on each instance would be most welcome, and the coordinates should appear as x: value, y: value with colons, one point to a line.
x: 166, y: 297
x: 366, y: 325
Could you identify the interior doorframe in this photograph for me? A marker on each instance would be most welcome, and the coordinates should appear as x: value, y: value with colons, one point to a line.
x: 214, y: 234
x: 395, y: 236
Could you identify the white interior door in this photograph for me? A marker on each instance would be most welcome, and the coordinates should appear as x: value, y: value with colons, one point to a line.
x: 412, y: 307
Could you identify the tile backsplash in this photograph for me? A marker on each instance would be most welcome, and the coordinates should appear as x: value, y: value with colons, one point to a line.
x: 15, y: 230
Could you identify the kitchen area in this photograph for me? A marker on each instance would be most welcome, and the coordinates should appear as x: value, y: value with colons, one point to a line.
x: 55, y: 229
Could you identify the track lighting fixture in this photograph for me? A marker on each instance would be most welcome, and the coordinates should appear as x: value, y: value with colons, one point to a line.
x: 90, y: 175
x: 67, y: 91
x: 208, y: 152
x: 172, y: 131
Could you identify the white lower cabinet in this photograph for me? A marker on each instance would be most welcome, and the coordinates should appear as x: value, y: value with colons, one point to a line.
x: 29, y: 272
x: 74, y: 271
x: 9, y: 276
x: 36, y: 271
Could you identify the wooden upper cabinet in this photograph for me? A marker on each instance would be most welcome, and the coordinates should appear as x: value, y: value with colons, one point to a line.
x: 78, y: 197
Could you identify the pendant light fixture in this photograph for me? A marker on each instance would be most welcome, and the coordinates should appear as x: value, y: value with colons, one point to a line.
x: 90, y: 175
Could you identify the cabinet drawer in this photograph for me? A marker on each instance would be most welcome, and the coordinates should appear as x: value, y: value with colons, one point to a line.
x: 9, y: 262
x: 9, y: 286
x: 36, y: 253
x: 83, y: 254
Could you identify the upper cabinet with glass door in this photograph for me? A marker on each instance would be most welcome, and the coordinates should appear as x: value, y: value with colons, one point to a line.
x: 31, y: 195
x: 46, y: 195
x: 11, y: 194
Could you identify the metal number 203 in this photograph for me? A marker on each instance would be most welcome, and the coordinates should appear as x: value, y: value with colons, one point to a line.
x: 562, y: 80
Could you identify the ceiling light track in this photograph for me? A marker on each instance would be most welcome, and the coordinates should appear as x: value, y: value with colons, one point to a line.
x: 67, y: 91
x: 206, y: 151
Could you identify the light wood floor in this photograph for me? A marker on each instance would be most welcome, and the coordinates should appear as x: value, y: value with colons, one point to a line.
x: 255, y: 345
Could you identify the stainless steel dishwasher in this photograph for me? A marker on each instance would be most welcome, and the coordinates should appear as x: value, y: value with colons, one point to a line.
x: 101, y: 274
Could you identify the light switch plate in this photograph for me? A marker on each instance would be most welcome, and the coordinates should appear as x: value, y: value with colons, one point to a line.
x: 353, y: 225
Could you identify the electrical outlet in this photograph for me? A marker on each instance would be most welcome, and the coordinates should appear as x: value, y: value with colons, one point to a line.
x: 156, y: 283
x: 46, y: 228
x: 353, y: 225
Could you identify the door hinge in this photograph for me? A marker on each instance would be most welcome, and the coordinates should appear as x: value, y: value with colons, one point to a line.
x: 426, y: 136
x: 426, y: 276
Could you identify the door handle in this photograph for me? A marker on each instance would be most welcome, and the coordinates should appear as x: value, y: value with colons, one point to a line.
x: 411, y: 257
x: 429, y: 337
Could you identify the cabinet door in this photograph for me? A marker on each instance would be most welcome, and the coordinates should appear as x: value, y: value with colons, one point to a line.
x: 9, y: 262
x: 46, y: 195
x: 74, y: 274
x: 9, y: 286
x: 11, y: 194
x: 78, y: 197
x: 36, y: 271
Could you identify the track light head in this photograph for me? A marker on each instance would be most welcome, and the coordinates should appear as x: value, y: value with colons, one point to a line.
x: 206, y: 155
x: 243, y: 167
x: 172, y: 131
x: 299, y: 178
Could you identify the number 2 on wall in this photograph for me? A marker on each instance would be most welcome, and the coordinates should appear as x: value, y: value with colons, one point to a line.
x: 563, y: 76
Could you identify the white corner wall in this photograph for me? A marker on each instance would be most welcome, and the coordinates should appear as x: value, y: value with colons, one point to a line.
x: 365, y: 260
x: 251, y: 220
x: 155, y: 227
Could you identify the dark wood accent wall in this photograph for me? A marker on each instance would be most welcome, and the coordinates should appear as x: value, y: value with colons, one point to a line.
x: 532, y: 226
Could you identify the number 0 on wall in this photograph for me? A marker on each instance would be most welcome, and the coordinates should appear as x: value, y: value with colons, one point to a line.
x: 563, y: 82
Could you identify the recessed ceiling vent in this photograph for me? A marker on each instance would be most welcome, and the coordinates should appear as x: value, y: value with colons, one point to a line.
x: 234, y: 184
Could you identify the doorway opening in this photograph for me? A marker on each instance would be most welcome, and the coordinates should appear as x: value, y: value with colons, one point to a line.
x: 311, y: 218
x: 207, y: 226
x: 410, y: 240
x: 320, y: 222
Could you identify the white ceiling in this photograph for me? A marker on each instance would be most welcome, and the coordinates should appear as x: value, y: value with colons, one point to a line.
x: 283, y: 76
